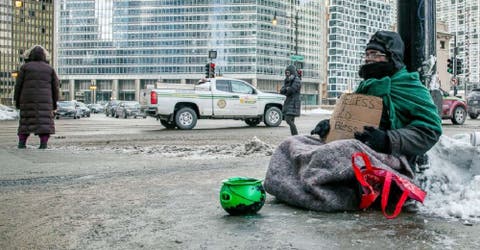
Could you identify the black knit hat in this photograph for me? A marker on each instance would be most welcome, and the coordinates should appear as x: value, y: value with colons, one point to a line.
x: 373, y: 44
x: 389, y: 43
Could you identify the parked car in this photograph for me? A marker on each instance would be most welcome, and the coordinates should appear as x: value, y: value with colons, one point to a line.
x: 85, y: 110
x: 110, y: 107
x: 68, y: 109
x: 473, y: 100
x: 96, y: 108
x: 127, y: 109
x: 454, y: 108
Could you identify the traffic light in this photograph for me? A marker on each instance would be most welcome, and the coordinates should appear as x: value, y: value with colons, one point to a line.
x: 299, y: 73
x: 450, y: 65
x: 207, y: 70
x: 459, y: 66
x: 212, y: 70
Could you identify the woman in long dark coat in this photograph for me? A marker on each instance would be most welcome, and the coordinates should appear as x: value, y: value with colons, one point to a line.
x: 291, y: 88
x: 36, y: 95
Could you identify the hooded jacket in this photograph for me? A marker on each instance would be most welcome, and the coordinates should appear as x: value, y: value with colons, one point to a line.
x: 410, y: 117
x: 36, y: 94
x: 390, y: 43
x: 291, y: 89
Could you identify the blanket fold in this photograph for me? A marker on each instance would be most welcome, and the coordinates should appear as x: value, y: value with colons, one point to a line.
x: 307, y: 173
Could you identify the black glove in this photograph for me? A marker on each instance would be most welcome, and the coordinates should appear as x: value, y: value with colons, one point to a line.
x: 322, y: 128
x: 374, y: 138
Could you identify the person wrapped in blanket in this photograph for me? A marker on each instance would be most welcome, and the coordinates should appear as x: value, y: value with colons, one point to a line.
x: 306, y: 172
x: 410, y: 124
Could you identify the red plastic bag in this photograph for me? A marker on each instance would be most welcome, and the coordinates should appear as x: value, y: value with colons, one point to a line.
x: 375, y: 180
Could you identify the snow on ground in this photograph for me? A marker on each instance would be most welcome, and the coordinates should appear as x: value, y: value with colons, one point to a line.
x: 452, y: 181
x: 252, y: 147
x: 317, y: 111
x: 7, y: 113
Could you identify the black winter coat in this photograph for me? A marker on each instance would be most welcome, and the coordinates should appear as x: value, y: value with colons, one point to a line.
x: 36, y: 95
x: 291, y: 88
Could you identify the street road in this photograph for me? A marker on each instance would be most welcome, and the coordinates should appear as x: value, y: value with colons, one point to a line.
x: 107, y: 183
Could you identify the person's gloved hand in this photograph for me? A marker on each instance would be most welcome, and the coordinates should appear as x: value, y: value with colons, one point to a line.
x: 374, y: 138
x: 322, y: 128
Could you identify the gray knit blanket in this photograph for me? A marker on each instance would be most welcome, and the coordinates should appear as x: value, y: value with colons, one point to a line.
x: 308, y: 173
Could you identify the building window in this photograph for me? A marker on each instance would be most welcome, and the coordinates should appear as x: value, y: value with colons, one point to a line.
x: 442, y: 44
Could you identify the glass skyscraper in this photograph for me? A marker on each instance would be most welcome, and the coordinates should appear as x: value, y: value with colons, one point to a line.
x: 122, y: 46
x: 23, y: 23
x: 351, y: 24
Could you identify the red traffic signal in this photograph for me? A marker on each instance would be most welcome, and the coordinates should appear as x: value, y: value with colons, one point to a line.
x: 211, y: 73
x: 299, y: 73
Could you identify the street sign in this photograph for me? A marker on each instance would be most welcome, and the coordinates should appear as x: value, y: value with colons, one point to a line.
x: 212, y: 54
x: 297, y: 58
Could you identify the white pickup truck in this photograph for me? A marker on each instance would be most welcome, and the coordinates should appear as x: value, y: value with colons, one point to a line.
x: 181, y: 105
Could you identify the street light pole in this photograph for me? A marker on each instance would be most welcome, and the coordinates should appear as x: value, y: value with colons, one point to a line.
x: 296, y: 32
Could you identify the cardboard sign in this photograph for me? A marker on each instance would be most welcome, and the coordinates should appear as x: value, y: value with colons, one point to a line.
x: 351, y: 113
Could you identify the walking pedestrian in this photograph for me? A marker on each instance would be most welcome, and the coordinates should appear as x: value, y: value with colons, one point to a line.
x: 291, y: 89
x: 36, y: 95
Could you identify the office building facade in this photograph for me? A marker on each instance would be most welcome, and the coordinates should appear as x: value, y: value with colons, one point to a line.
x: 463, y: 20
x: 351, y: 24
x: 23, y: 23
x: 111, y: 49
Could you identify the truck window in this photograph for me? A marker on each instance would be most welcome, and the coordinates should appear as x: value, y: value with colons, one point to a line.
x: 223, y: 85
x: 240, y: 87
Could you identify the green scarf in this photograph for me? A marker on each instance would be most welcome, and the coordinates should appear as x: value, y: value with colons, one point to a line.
x: 409, y: 102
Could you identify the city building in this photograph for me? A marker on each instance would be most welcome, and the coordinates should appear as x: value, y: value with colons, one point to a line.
x: 112, y: 49
x: 351, y: 24
x: 23, y: 23
x: 443, y: 54
x: 463, y: 20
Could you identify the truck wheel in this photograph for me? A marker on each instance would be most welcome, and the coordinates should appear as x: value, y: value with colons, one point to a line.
x: 186, y: 118
x: 473, y: 115
x: 252, y: 122
x: 167, y: 124
x: 273, y: 117
x: 459, y: 115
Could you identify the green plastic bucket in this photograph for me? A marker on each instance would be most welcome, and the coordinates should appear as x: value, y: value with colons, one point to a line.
x: 242, y: 195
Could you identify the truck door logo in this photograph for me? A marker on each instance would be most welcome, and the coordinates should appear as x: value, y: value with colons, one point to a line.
x: 221, y: 103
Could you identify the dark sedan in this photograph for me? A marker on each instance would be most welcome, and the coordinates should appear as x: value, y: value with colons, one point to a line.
x: 127, y: 109
x: 68, y: 109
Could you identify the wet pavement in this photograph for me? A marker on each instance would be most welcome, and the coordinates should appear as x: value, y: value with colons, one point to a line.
x: 110, y: 183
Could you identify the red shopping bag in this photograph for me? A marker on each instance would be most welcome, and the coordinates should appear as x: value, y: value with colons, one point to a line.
x: 375, y: 180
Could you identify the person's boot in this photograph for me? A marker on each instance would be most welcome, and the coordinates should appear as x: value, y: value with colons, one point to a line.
x: 22, y: 144
x: 43, y: 141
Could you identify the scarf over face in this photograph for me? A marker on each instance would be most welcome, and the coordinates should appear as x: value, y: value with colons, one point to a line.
x: 408, y: 102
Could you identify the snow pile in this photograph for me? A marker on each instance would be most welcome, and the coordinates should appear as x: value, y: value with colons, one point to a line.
x: 318, y: 111
x: 7, y: 113
x: 252, y: 147
x: 452, y: 181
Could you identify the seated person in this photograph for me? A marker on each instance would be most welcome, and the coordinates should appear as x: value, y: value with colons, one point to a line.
x: 309, y: 173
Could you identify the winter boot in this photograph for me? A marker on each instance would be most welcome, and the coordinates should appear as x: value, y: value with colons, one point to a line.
x: 43, y: 141
x: 22, y: 144
x: 22, y: 140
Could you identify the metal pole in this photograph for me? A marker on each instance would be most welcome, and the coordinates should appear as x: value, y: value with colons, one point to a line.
x: 416, y: 26
x: 296, y: 32
x: 455, y: 52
